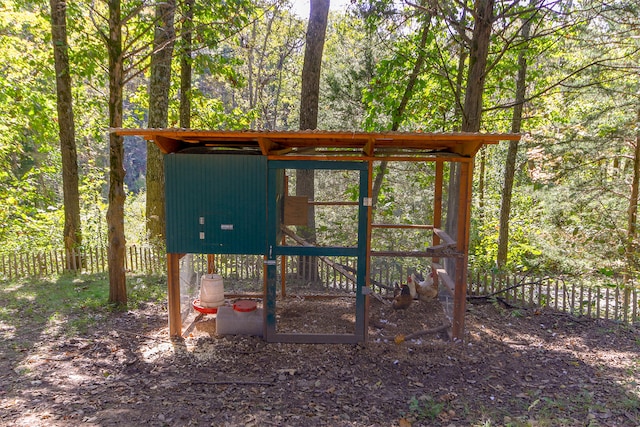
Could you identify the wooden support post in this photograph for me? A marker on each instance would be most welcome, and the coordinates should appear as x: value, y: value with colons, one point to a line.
x: 211, y: 263
x: 173, y: 295
x: 437, y: 212
x: 464, y: 223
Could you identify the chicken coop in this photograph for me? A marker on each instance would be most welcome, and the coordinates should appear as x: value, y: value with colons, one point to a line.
x: 230, y: 193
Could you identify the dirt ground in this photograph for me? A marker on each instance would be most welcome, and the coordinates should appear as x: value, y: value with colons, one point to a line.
x: 515, y: 367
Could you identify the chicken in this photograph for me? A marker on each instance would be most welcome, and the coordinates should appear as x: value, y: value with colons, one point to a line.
x: 412, y: 287
x: 403, y: 299
x: 426, y: 289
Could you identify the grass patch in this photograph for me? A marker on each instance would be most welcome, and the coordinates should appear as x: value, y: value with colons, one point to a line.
x: 424, y: 407
x: 70, y: 304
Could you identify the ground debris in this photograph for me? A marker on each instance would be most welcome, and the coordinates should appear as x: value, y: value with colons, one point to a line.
x: 509, y: 369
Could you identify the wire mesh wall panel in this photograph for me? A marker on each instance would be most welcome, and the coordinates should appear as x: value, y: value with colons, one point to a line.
x: 244, y: 273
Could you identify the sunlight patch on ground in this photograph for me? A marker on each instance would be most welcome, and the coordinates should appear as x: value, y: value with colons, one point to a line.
x: 7, y: 331
x: 156, y: 351
x: 54, y: 325
x: 12, y: 287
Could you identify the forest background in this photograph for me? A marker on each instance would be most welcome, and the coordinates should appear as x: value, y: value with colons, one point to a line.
x: 563, y: 200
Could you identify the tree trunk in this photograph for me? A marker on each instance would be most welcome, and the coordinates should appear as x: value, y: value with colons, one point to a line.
x: 461, y: 69
x: 185, y: 65
x: 632, y: 220
x: 66, y: 127
x: 472, y: 110
x: 510, y: 166
x: 159, y: 84
x: 115, y: 213
x: 309, y: 100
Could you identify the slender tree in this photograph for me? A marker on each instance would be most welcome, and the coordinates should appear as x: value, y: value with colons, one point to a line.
x: 632, y: 218
x: 316, y: 32
x: 186, y: 64
x: 159, y: 85
x: 510, y: 166
x: 115, y: 212
x: 72, y: 228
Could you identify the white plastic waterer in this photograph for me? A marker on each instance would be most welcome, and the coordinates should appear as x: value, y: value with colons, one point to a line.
x: 211, y: 291
x: 244, y: 318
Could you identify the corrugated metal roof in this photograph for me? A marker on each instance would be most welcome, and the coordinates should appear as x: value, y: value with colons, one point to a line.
x: 315, y: 142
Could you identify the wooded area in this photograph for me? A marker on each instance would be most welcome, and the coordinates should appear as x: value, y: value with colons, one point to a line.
x: 565, y: 74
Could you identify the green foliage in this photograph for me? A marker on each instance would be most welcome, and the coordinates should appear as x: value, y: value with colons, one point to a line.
x: 526, y: 248
x: 425, y: 407
x: 69, y: 304
x: 571, y: 197
x: 29, y: 163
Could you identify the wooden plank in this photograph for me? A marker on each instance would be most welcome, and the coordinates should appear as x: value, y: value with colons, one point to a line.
x: 442, y: 251
x: 446, y: 279
x: 173, y: 295
x: 437, y: 202
x: 34, y: 263
x: 485, y: 283
x: 369, y: 148
x: 296, y: 210
x: 404, y: 226
x: 462, y: 240
x: 531, y: 291
x: 444, y: 236
x: 148, y: 253
x: 311, y: 202
x: 42, y: 264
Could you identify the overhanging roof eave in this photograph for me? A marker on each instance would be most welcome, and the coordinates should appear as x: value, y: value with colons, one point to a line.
x: 369, y: 143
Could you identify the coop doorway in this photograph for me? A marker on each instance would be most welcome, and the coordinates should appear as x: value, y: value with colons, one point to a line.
x: 316, y: 252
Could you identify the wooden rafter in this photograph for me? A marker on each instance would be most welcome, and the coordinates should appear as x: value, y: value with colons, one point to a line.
x: 363, y: 145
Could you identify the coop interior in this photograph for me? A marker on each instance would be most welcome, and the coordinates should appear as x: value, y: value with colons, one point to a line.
x: 317, y: 294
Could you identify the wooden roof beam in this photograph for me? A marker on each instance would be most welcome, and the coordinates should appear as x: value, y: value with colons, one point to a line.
x: 167, y: 145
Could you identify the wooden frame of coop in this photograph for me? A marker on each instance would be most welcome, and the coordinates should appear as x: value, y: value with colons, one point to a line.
x: 270, y: 152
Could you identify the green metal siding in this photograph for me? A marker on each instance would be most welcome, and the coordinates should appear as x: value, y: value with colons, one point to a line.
x: 215, y: 203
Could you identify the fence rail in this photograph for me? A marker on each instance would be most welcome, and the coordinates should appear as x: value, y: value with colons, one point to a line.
x: 575, y: 297
x: 138, y: 259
